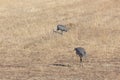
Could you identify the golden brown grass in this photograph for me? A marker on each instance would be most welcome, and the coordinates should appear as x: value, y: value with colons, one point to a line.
x: 29, y: 47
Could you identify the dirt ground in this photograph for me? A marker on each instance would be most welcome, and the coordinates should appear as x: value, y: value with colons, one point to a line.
x: 31, y: 50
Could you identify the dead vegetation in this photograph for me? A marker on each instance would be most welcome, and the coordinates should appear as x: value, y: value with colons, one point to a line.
x: 28, y: 45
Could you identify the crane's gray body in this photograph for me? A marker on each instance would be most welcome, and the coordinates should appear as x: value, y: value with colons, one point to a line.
x: 62, y: 28
x: 81, y: 52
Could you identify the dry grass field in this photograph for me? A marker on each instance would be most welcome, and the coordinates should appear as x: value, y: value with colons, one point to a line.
x: 30, y: 50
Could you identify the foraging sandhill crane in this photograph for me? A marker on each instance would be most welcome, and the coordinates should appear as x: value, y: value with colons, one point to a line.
x: 80, y: 52
x: 62, y: 28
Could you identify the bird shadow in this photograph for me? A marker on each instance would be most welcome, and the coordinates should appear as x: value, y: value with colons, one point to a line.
x: 62, y: 65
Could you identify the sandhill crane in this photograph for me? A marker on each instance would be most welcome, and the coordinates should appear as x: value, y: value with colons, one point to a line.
x: 80, y: 52
x: 62, y: 28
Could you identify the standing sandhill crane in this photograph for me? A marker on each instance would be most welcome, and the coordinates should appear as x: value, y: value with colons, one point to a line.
x: 80, y: 52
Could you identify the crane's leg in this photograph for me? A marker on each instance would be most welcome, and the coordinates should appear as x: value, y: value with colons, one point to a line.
x: 80, y: 59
